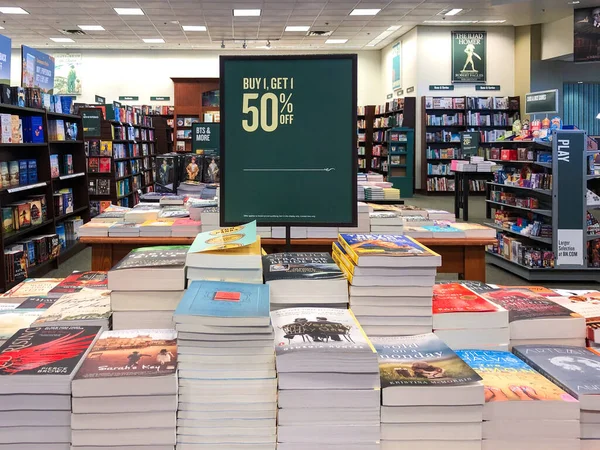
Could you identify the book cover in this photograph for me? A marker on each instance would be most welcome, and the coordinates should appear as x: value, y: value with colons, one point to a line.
x: 442, y: 229
x: 162, y: 256
x: 24, y: 214
x: 325, y: 328
x: 93, y: 165
x: 225, y: 238
x: 455, y: 298
x: 193, y: 166
x: 94, y: 147
x: 35, y: 209
x: 4, y: 173
x: 222, y: 299
x: 106, y: 148
x: 12, y: 320
x: 212, y: 171
x: 32, y: 175
x: 87, y: 304
x: 103, y: 186
x: 23, y: 172
x: 92, y: 183
x: 419, y: 360
x: 37, y: 302
x: 68, y: 164
x: 506, y: 378
x: 46, y: 351
x: 7, y: 220
x: 300, y: 266
x: 126, y: 353
x: 523, y: 304
x: 382, y: 245
x: 79, y: 280
x: 13, y: 171
x: 104, y: 165
x: 32, y: 287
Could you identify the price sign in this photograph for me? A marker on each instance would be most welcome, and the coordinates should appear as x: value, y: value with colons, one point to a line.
x: 287, y: 140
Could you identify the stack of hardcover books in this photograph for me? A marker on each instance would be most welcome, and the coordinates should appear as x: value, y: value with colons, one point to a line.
x: 386, y: 222
x: 523, y: 410
x: 328, y: 380
x: 146, y: 287
x: 227, y: 379
x: 464, y: 320
x: 304, y: 280
x: 430, y: 397
x: 37, y: 367
x: 125, y: 392
x: 391, y: 282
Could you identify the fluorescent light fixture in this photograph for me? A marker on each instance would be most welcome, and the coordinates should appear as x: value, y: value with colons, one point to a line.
x: 336, y: 41
x: 450, y: 22
x: 154, y: 41
x: 453, y: 12
x: 62, y: 39
x: 492, y: 21
x: 129, y: 11
x: 364, y: 12
x: 387, y: 33
x: 297, y: 28
x: 1, y: 28
x: 246, y: 12
x: 394, y: 28
x: 91, y: 27
x: 12, y: 10
x: 193, y: 27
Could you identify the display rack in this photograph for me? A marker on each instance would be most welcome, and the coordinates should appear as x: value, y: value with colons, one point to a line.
x: 163, y: 125
x: 45, y: 186
x: 401, y: 160
x: 560, y: 206
x: 444, y: 118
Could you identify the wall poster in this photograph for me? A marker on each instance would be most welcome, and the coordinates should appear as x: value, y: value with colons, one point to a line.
x: 37, y: 70
x: 397, y: 66
x: 469, y: 56
x: 67, y: 78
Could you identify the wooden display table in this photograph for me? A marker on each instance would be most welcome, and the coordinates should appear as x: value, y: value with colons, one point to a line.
x: 466, y: 257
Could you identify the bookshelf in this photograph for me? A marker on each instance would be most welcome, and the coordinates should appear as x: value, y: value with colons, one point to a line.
x: 38, y: 191
x: 364, y: 127
x: 401, y: 153
x: 444, y: 118
x: 163, y: 125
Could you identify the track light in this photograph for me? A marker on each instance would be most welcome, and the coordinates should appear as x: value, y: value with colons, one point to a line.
x: 245, y: 46
x: 223, y: 44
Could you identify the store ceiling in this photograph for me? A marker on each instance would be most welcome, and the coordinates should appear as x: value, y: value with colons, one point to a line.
x: 164, y: 19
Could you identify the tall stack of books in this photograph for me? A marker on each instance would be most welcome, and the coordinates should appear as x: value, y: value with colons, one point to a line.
x: 326, y: 365
x: 304, y: 280
x: 464, y: 320
x: 523, y: 410
x: 125, y: 392
x: 37, y: 367
x: 391, y: 282
x: 146, y: 287
x: 430, y: 397
x: 227, y: 379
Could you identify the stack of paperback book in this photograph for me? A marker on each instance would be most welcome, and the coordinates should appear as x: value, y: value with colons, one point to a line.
x: 364, y: 224
x: 576, y: 370
x: 37, y: 367
x: 229, y: 254
x: 304, y: 280
x: 463, y: 319
x: 523, y: 410
x: 83, y: 308
x: 227, y: 379
x: 147, y: 286
x: 326, y: 365
x: 125, y: 392
x: 386, y: 222
x: 430, y: 397
x: 391, y: 282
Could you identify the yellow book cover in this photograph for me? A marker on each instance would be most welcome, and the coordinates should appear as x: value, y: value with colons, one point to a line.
x: 106, y: 148
x: 396, y: 246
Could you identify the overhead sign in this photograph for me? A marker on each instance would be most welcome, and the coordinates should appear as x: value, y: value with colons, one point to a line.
x: 159, y: 98
x: 469, y: 57
x: 541, y: 102
x: 101, y: 100
x: 128, y: 97
x: 5, y: 46
x: 469, y: 143
x: 487, y: 87
x: 206, y: 138
x: 441, y: 87
x: 277, y: 157
x: 37, y: 70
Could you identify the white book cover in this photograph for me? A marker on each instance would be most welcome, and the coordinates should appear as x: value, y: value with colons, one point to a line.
x: 87, y: 304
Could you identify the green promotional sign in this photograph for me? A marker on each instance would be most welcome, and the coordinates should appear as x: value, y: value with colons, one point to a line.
x: 128, y: 97
x: 487, y: 87
x: 469, y: 57
x: 441, y: 87
x: 99, y: 99
x: 92, y: 122
x: 542, y: 102
x: 160, y: 98
x: 469, y: 143
x: 206, y: 138
x: 288, y: 137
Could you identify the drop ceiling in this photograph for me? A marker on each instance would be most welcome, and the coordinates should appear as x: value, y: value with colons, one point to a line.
x: 164, y: 19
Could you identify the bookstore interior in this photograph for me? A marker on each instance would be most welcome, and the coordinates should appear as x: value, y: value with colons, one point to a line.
x: 320, y: 224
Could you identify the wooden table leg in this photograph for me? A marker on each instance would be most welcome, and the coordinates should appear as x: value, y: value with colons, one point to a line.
x: 101, y: 256
x: 474, y: 266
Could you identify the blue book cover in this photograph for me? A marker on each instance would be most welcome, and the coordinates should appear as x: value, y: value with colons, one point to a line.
x: 575, y: 369
x: 27, y: 135
x: 23, y: 171
x: 438, y: 229
x: 37, y: 129
x: 32, y: 171
x: 222, y: 299
x: 357, y: 245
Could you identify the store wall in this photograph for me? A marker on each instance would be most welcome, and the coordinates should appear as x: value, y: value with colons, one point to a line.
x: 146, y: 73
x: 408, y: 64
x: 557, y: 38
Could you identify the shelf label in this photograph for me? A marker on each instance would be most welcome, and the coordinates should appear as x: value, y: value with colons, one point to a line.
x: 159, y: 98
x: 73, y: 175
x: 487, y: 87
x: 25, y: 188
x: 541, y: 102
x: 99, y: 99
x: 441, y: 87
x: 570, y: 247
x: 128, y: 97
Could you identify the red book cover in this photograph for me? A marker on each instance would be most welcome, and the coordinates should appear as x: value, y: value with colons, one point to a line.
x: 456, y: 298
x: 105, y: 165
x: 78, y: 280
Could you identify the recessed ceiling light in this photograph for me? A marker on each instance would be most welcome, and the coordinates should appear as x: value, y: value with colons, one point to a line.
x: 12, y: 10
x: 336, y: 41
x: 383, y: 35
x: 1, y: 28
x: 62, y: 39
x: 154, y: 41
x: 394, y: 28
x: 297, y: 28
x: 91, y: 27
x: 364, y: 12
x: 246, y: 12
x: 193, y: 27
x: 453, y: 12
x: 129, y: 11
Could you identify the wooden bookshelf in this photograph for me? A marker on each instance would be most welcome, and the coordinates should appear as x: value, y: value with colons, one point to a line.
x: 164, y: 134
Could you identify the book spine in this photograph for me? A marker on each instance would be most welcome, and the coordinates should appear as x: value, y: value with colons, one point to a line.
x: 349, y: 251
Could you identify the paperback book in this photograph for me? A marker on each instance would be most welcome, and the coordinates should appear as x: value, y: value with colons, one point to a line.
x: 79, y: 280
x: 33, y: 287
x: 300, y: 266
x: 148, y: 257
x: 12, y: 320
x: 86, y: 306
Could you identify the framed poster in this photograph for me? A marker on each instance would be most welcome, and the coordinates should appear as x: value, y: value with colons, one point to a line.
x: 469, y: 56
x: 397, y: 66
x: 587, y: 34
x: 288, y: 138
x: 67, y: 79
x: 5, y: 45
x: 37, y: 70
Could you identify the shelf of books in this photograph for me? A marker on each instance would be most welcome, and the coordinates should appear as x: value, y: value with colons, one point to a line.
x: 120, y: 162
x: 443, y: 120
x: 183, y: 128
x: 401, y: 159
x: 543, y: 209
x: 42, y: 170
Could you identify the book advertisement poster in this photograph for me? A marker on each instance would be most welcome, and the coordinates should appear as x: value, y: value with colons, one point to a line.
x: 206, y: 139
x: 587, y: 34
x: 469, y: 56
x: 67, y: 78
x: 397, y: 66
x: 5, y: 45
x: 37, y: 69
